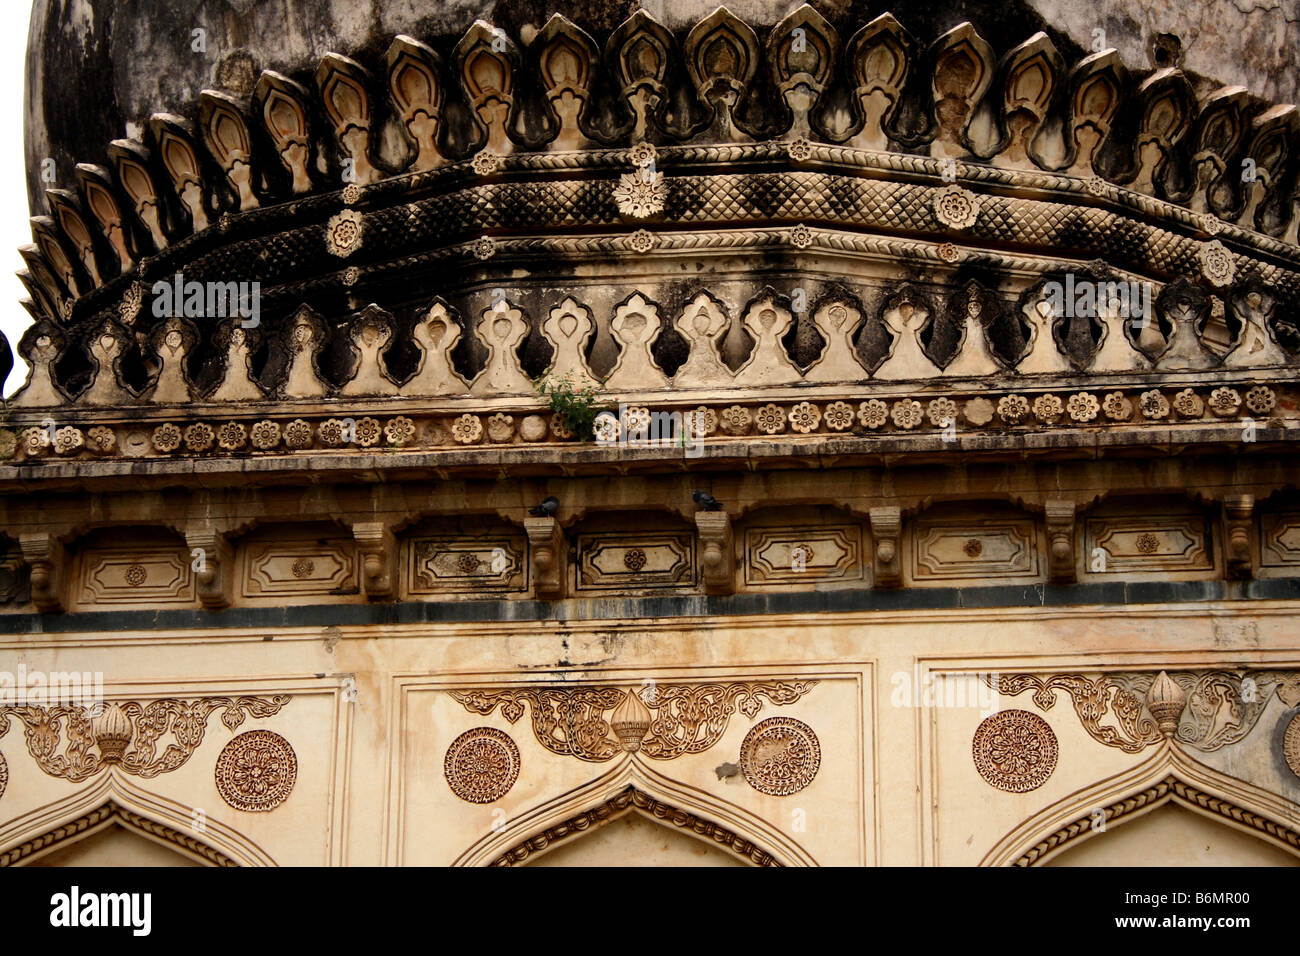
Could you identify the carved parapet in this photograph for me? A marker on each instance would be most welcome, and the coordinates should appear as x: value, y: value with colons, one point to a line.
x: 1237, y: 511
x: 1060, y: 541
x: 887, y: 565
x: 717, y: 556
x: 214, y: 566
x: 44, y: 553
x: 378, y: 548
x: 546, y: 545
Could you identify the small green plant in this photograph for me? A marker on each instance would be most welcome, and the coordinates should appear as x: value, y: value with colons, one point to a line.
x: 576, y: 405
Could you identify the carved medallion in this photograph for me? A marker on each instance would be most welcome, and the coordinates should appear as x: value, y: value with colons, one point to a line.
x: 256, y: 771
x: 1290, y: 748
x: 780, y: 756
x: 1015, y: 751
x: 482, y: 765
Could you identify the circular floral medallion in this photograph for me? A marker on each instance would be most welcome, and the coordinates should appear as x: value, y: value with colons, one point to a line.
x: 873, y: 413
x: 256, y: 771
x: 1012, y: 409
x: 801, y: 236
x: 1290, y: 747
x: 1015, y: 751
x: 343, y: 233
x: 304, y: 568
x: 634, y: 559
x: 136, y: 575
x: 956, y: 207
x: 1261, y: 399
x: 641, y: 194
x: 481, y: 765
x: 780, y: 756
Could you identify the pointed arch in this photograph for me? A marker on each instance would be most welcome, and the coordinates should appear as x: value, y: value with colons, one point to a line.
x: 111, y: 801
x: 1168, y: 776
x: 633, y: 787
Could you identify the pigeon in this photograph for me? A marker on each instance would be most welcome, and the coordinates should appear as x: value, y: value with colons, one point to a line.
x: 547, y: 508
x: 707, y: 501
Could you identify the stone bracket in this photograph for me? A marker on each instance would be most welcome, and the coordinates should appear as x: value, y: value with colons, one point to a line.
x: 214, y: 566
x: 1238, y: 511
x: 548, y: 554
x: 1060, y: 541
x: 886, y: 560
x: 717, y: 555
x: 378, y: 547
x: 44, y: 553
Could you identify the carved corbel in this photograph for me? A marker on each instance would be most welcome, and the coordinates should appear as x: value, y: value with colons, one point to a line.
x: 887, y: 562
x: 1060, y: 541
x: 378, y: 548
x: 1237, y: 512
x: 44, y: 553
x: 717, y: 555
x: 546, y: 545
x: 214, y: 564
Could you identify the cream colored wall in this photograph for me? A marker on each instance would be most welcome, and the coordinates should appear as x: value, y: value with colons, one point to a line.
x: 896, y: 784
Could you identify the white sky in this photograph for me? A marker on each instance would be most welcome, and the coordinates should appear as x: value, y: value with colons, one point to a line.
x: 15, y: 229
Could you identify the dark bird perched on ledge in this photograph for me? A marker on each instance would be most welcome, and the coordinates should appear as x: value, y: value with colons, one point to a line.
x: 547, y: 508
x: 707, y: 501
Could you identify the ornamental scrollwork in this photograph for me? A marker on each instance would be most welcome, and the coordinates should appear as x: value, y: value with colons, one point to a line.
x: 1204, y: 710
x: 662, y: 721
x: 77, y: 742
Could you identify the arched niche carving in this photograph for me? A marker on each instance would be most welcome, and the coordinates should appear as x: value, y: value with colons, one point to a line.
x: 1168, y: 776
x: 631, y: 786
x: 113, y: 801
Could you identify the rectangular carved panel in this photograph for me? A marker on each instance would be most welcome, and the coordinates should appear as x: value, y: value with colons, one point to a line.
x: 802, y: 555
x: 946, y: 550
x: 135, y: 576
x: 1280, y: 540
x: 300, y: 566
x: 443, y: 564
x: 614, y: 561
x: 1145, y: 543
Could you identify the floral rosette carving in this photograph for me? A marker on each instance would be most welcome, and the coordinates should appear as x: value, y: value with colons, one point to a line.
x: 101, y: 440
x: 907, y: 413
x: 1013, y: 409
x: 1117, y: 407
x: 641, y: 194
x: 1048, y: 409
x: 1261, y: 399
x: 1188, y: 404
x: 839, y: 416
x: 736, y: 420
x: 232, y: 436
x: 770, y: 419
x: 467, y: 429
x: 805, y: 417
x: 1225, y: 402
x: 199, y: 437
x: 68, y: 440
x: 266, y: 435
x: 343, y: 233
x: 1216, y: 263
x: 873, y: 413
x: 399, y: 431
x: 1153, y: 405
x: 166, y: 438
x: 956, y: 207
x: 1083, y: 407
x: 942, y: 412
x: 297, y: 434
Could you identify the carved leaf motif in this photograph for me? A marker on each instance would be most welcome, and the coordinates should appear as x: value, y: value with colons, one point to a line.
x: 184, y: 720
x: 687, y: 718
